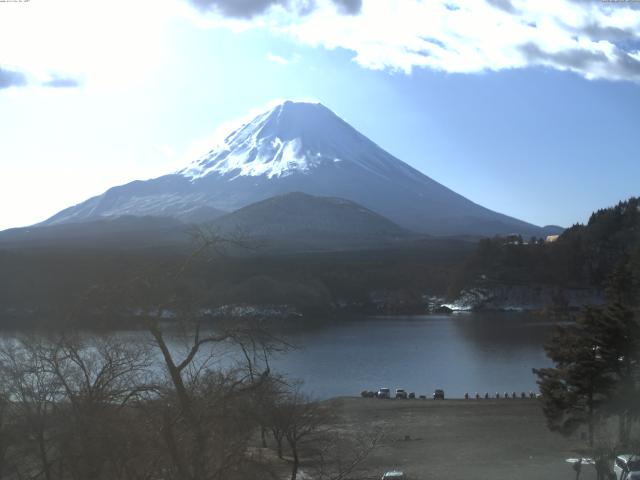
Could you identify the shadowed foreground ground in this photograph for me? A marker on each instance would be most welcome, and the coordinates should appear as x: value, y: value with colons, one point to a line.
x: 462, y: 439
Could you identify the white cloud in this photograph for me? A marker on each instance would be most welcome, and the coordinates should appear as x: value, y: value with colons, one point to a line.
x: 280, y: 60
x: 272, y: 57
x: 598, y: 40
x: 102, y: 43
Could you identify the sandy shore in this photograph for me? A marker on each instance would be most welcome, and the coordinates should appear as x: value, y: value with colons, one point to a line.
x: 462, y: 439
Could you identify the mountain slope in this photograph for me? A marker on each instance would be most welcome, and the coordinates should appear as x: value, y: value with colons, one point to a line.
x: 119, y: 232
x: 298, y: 213
x: 301, y: 221
x: 301, y: 147
x: 293, y: 222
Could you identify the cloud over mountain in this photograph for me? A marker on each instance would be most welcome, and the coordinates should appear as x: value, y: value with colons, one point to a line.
x: 594, y: 39
x: 11, y: 78
x: 61, y: 82
x: 246, y: 9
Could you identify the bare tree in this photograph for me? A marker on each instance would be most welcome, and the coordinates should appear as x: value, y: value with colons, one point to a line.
x: 68, y: 412
x: 343, y: 455
x: 34, y: 395
x: 312, y: 435
x: 297, y: 419
x: 204, y: 433
x: 74, y: 407
x: 99, y: 378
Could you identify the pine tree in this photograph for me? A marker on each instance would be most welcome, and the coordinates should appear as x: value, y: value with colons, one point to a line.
x: 624, y: 340
x: 596, y: 373
x: 574, y: 391
x: 623, y: 356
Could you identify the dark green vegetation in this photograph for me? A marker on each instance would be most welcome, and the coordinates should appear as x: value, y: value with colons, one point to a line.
x: 301, y: 214
x: 596, y: 373
x: 596, y: 356
x: 126, y: 232
x: 309, y: 255
x: 394, y: 274
x: 47, y: 286
x: 583, y: 256
x: 294, y: 222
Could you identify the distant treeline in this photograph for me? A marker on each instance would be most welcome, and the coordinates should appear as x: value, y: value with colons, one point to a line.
x: 51, y: 286
x: 583, y: 256
x: 87, y: 286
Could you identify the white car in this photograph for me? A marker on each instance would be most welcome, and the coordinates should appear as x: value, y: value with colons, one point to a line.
x: 384, y: 393
x: 394, y: 475
x: 627, y: 467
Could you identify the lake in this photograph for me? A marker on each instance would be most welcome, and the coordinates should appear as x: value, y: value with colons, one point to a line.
x: 466, y: 352
x: 471, y: 352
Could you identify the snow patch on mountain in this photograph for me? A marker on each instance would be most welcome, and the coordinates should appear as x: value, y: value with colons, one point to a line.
x: 298, y: 147
x: 255, y: 149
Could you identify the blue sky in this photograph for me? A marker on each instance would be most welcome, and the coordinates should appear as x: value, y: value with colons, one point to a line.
x: 530, y: 111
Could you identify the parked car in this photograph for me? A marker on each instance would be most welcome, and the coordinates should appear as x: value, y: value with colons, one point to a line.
x: 394, y: 475
x: 401, y: 393
x: 438, y: 394
x: 384, y: 393
x: 627, y: 467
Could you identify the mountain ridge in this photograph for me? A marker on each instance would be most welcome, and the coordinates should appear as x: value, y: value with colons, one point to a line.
x: 299, y: 212
x: 294, y: 222
x: 301, y: 147
x: 297, y: 221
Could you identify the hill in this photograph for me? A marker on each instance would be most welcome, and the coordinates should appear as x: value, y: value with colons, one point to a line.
x: 584, y: 256
x: 126, y: 231
x: 297, y: 221
x: 291, y: 223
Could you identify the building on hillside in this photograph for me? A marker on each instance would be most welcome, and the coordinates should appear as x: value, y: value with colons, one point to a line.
x: 551, y: 238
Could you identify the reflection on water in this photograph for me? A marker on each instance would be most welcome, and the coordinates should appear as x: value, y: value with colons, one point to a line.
x: 458, y: 353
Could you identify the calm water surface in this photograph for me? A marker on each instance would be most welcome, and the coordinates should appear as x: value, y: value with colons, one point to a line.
x: 491, y: 352
x: 458, y: 353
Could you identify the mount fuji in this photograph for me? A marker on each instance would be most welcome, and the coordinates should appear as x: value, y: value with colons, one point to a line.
x: 298, y: 147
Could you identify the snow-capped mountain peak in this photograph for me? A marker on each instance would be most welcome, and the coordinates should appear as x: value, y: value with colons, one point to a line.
x: 273, y: 144
x: 299, y: 147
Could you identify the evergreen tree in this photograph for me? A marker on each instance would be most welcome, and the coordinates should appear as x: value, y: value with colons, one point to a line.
x: 624, y: 339
x: 574, y: 391
x: 623, y: 357
x: 596, y: 373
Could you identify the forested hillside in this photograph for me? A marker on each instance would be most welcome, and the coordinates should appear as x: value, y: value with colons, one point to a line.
x: 49, y: 286
x: 583, y: 256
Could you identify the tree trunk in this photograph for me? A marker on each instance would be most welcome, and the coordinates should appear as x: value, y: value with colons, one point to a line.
x: 279, y: 441
x: 278, y: 437
x: 263, y: 437
x: 170, y: 441
x: 197, y: 462
x: 624, y: 427
x: 296, y: 463
x: 590, y: 419
x: 43, y: 455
